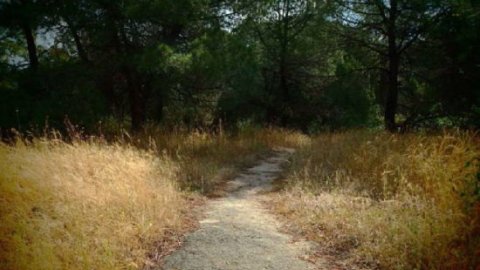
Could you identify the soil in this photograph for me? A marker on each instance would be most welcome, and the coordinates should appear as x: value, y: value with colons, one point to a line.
x: 238, y: 232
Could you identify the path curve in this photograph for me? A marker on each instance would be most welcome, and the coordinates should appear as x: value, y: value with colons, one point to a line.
x: 238, y: 233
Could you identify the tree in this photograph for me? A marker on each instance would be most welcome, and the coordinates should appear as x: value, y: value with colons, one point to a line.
x: 449, y: 64
x: 23, y: 15
x: 278, y: 27
x: 389, y: 28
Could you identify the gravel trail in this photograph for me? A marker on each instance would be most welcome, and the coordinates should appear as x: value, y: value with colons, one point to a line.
x: 238, y: 233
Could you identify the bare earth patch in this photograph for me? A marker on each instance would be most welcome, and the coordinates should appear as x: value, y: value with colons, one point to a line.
x: 237, y: 232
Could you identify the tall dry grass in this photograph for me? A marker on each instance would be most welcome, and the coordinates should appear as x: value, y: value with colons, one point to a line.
x: 96, y: 205
x: 389, y: 201
x: 207, y: 159
x: 84, y: 205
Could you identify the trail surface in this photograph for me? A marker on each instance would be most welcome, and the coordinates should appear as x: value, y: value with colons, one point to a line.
x: 238, y: 233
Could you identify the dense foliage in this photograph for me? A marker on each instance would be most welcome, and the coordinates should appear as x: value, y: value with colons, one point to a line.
x: 308, y: 64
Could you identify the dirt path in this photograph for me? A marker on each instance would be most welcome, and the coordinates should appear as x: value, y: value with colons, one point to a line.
x: 238, y: 233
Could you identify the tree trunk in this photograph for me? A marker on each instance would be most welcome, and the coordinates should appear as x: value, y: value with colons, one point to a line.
x: 31, y: 47
x: 82, y: 53
x: 105, y: 82
x: 285, y: 93
x: 391, y: 99
x: 137, y: 101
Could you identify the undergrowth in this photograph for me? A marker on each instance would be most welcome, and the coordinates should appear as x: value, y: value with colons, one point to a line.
x: 84, y: 205
x: 207, y: 159
x: 388, y: 201
x: 92, y: 204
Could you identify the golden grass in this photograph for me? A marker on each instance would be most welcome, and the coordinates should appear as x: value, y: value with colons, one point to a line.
x: 83, y: 206
x: 389, y: 201
x: 93, y: 205
x: 207, y: 159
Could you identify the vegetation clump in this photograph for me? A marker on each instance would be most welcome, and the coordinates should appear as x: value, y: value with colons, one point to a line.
x: 84, y: 205
x: 389, y: 201
x: 89, y: 204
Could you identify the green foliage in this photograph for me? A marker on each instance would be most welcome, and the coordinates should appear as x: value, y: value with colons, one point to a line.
x: 49, y: 96
x: 296, y: 63
x: 349, y: 98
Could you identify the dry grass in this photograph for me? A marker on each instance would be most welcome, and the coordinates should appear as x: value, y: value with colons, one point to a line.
x: 93, y: 205
x: 207, y: 159
x: 389, y: 201
x: 83, y: 206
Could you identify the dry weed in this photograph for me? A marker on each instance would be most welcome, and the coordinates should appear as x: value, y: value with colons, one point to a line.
x: 93, y: 205
x: 389, y: 201
x: 83, y: 206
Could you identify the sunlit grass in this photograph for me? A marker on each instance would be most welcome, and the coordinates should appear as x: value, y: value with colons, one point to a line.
x: 207, y: 159
x: 89, y: 204
x: 389, y: 201
x: 83, y: 205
